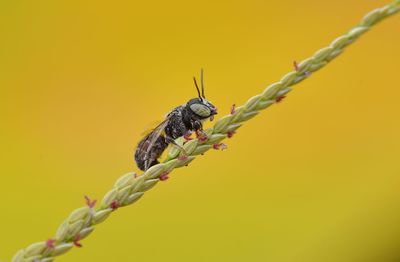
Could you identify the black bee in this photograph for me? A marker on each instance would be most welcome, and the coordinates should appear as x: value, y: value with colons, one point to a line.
x: 181, y: 121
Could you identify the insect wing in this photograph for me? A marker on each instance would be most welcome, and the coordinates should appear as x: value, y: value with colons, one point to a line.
x: 150, y: 127
x: 149, y: 141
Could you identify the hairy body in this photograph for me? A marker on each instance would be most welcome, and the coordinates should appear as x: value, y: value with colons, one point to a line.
x: 181, y: 121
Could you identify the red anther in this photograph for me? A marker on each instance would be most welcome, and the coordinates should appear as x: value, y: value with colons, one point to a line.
x: 50, y: 243
x: 76, y: 240
x: 183, y: 158
x: 164, y: 176
x: 201, y: 136
x: 233, y: 109
x: 90, y: 203
x: 279, y: 99
x: 230, y: 134
x: 114, y: 205
x: 296, y: 66
x: 187, y: 137
x: 220, y: 146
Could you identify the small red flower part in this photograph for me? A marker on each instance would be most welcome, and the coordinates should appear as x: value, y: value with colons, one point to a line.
x: 114, y: 205
x: 182, y: 157
x: 201, y: 136
x: 233, y: 109
x: 76, y: 240
x: 220, y: 146
x: 187, y: 136
x: 230, y: 134
x: 164, y: 176
x: 50, y: 243
x: 90, y: 203
x: 279, y: 99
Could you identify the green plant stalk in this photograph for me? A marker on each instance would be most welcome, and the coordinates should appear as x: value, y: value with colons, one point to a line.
x: 131, y: 187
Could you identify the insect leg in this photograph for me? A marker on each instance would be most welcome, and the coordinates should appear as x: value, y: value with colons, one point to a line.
x: 198, y: 127
x: 172, y: 141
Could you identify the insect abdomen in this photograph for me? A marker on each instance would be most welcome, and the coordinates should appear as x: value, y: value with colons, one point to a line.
x: 154, y: 153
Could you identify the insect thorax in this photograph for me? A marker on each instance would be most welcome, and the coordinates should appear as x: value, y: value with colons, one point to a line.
x: 181, y: 121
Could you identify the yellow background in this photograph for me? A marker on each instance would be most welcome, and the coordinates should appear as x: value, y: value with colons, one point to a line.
x: 315, y: 178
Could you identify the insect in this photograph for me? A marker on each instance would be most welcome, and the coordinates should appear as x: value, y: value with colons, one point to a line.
x: 181, y: 121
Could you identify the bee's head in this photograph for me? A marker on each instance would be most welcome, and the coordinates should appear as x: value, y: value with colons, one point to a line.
x: 201, y: 107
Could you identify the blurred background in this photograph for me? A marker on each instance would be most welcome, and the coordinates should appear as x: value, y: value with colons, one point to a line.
x: 314, y: 178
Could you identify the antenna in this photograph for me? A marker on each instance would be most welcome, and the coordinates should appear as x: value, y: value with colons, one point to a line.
x: 197, y: 87
x: 202, y: 82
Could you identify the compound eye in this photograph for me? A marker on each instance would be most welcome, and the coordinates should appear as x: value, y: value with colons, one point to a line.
x: 200, y: 110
